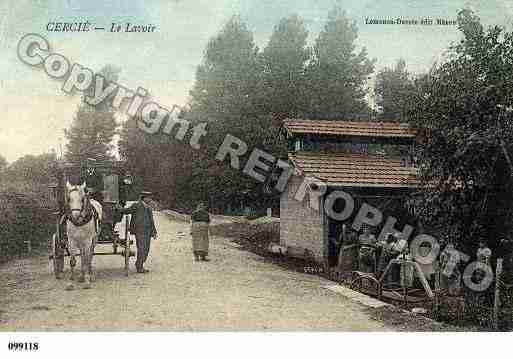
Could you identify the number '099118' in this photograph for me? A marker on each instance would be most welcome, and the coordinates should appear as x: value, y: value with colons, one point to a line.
x: 23, y: 346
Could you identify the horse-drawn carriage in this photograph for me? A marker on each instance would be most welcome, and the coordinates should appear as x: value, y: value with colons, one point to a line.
x: 103, y: 183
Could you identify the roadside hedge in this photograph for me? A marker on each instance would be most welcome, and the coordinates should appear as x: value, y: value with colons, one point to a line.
x: 23, y: 217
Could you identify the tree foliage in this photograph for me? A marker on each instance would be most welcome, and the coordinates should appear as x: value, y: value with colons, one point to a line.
x: 285, y: 58
x: 242, y: 91
x: 93, y: 128
x: 464, y: 107
x: 233, y: 67
x: 3, y: 163
x: 227, y: 78
x: 90, y: 135
x: 338, y: 73
x: 30, y: 169
x: 158, y: 163
x: 394, y: 87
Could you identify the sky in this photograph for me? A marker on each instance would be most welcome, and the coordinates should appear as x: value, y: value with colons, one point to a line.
x: 34, y: 110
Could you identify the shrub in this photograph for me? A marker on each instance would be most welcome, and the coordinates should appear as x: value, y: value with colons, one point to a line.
x: 23, y: 217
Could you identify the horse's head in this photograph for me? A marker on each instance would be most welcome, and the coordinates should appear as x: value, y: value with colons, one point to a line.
x: 76, y: 199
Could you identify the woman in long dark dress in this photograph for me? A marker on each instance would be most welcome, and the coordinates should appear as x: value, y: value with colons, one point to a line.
x: 200, y: 220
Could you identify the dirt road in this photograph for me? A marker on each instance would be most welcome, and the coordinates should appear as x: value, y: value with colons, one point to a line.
x: 237, y: 290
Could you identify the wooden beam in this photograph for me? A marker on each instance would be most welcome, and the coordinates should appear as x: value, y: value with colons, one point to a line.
x: 496, y: 302
x: 423, y: 280
x: 506, y: 154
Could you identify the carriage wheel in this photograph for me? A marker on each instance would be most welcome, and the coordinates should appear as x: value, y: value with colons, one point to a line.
x: 127, y: 248
x: 127, y: 257
x: 357, y: 284
x: 365, y: 284
x: 115, y: 244
x: 58, y: 254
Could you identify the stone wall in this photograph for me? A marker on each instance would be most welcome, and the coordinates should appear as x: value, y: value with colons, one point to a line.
x: 301, y: 227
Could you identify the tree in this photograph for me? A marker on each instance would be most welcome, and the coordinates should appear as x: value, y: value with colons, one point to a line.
x: 245, y: 93
x: 3, y: 163
x: 394, y: 87
x: 229, y: 75
x: 464, y: 108
x: 159, y: 163
x: 93, y: 128
x: 227, y: 94
x: 285, y: 58
x: 25, y: 204
x: 337, y: 73
x: 30, y: 169
x: 90, y: 135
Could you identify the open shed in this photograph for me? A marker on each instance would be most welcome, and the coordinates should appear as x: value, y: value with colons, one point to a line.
x: 373, y: 162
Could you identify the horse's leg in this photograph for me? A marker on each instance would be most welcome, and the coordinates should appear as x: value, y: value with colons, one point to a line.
x: 86, y: 260
x: 81, y: 277
x: 72, y: 263
x: 91, y: 257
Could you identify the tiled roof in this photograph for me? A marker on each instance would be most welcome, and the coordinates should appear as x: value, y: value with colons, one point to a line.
x: 346, y: 169
x: 350, y: 128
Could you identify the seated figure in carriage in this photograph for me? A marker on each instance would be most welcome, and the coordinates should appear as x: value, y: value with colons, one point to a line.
x: 109, y: 190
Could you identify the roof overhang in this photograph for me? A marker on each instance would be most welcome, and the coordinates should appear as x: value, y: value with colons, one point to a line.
x: 342, y: 170
x: 382, y: 130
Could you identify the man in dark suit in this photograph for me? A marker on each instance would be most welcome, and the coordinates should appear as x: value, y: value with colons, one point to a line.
x: 142, y: 226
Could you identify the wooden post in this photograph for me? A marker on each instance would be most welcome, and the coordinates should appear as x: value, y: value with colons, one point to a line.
x: 127, y: 247
x: 506, y: 154
x: 325, y: 233
x: 28, y: 243
x: 423, y: 280
x: 438, y: 291
x: 496, y: 303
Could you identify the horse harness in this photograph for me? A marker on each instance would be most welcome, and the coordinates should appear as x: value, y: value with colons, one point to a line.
x: 87, y: 213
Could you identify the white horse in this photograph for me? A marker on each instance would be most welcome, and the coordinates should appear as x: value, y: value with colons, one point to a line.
x: 83, y: 228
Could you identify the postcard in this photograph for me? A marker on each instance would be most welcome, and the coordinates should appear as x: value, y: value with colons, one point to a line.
x: 235, y: 166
